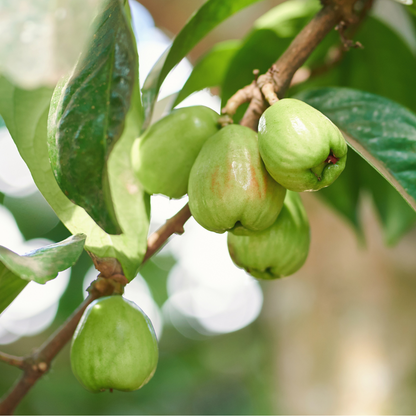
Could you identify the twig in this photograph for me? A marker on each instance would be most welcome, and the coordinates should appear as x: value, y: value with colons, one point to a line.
x: 36, y: 364
x: 347, y: 43
x: 297, y: 53
x: 12, y: 360
x: 240, y: 97
x: 172, y: 226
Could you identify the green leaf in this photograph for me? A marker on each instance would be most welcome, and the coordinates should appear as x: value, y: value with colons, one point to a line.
x: 270, y: 37
x: 380, y: 130
x: 210, y: 70
x: 87, y: 116
x: 395, y: 214
x: 206, y: 18
x: 44, y: 263
x: 39, y: 265
x: 2, y: 123
x: 10, y: 286
x: 25, y: 114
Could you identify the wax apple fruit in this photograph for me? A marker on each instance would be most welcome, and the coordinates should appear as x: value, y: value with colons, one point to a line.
x: 114, y: 346
x: 229, y: 187
x: 278, y: 251
x: 163, y: 156
x: 301, y: 148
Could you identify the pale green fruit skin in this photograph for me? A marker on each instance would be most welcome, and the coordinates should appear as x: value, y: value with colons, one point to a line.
x: 163, y: 156
x: 114, y: 346
x: 295, y: 138
x: 229, y: 184
x: 278, y: 251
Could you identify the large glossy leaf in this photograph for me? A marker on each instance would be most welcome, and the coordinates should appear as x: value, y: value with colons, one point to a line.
x: 10, y: 286
x: 210, y: 15
x: 44, y: 263
x: 87, y: 115
x: 210, y: 70
x: 380, y: 130
x: 25, y: 114
x: 39, y: 265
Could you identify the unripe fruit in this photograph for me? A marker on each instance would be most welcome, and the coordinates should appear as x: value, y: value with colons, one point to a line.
x: 163, y: 156
x: 229, y: 187
x: 278, y: 251
x: 301, y: 148
x: 114, y: 346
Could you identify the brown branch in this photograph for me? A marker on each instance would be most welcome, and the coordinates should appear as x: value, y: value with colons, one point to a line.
x: 38, y: 363
x: 298, y: 52
x: 240, y: 97
x: 172, y: 226
x: 12, y: 360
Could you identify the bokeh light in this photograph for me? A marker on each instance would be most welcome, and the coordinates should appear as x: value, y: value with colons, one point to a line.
x: 15, y: 177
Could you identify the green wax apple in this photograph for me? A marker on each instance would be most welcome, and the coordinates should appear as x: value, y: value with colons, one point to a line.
x: 278, y: 251
x: 229, y: 187
x: 301, y: 148
x: 114, y: 346
x: 163, y: 156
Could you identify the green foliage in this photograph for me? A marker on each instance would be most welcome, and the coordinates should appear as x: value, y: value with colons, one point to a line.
x: 210, y: 70
x: 10, y: 286
x: 87, y: 116
x: 39, y: 265
x: 208, y: 16
x: 44, y: 263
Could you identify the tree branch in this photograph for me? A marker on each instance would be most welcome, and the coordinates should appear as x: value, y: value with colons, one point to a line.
x: 38, y: 363
x: 12, y: 360
x: 173, y: 225
x: 298, y: 52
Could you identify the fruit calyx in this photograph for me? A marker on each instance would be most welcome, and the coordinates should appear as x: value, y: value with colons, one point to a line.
x: 319, y: 170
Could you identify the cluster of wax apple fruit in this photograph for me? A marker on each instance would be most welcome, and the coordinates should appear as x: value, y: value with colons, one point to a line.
x: 237, y: 181
x: 245, y: 183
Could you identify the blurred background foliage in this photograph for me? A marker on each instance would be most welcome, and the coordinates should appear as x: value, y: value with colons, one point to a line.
x: 338, y: 337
